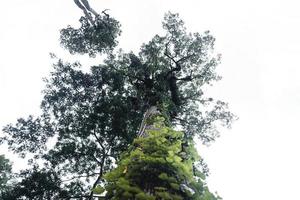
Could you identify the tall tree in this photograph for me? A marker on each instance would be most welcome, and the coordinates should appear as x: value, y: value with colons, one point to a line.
x: 160, y: 164
x: 94, y: 116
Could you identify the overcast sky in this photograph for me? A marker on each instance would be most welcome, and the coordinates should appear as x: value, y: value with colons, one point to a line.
x: 259, y: 40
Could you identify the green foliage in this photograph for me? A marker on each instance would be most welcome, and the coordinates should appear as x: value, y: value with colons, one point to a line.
x: 5, y: 173
x: 37, y: 185
x: 92, y: 117
x: 91, y: 38
x: 153, y: 168
x: 98, y: 190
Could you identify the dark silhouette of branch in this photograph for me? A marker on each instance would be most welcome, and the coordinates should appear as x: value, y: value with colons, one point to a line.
x: 82, y: 176
x: 98, y: 178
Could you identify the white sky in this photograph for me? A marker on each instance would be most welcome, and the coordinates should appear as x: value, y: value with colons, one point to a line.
x: 259, y: 40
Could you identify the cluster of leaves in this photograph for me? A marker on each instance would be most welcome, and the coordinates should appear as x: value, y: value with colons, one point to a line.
x: 36, y: 184
x: 98, y: 37
x: 92, y: 117
x: 159, y: 166
x: 5, y: 174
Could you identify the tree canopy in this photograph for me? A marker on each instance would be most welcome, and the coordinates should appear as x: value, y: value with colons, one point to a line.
x: 93, y: 117
x: 5, y: 173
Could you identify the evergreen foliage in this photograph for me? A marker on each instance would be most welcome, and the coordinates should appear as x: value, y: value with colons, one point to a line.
x: 93, y: 117
x: 158, y: 166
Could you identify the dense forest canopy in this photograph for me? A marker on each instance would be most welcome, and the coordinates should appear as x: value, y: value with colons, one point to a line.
x: 94, y: 116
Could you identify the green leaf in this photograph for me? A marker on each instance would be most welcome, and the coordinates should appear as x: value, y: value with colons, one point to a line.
x: 98, y: 189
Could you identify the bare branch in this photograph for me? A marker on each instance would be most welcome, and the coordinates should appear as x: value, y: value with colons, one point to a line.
x: 82, y: 176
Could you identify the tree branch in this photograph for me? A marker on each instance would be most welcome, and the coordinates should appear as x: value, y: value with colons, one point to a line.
x: 99, y: 178
x: 82, y: 176
x: 187, y: 78
x: 98, y: 139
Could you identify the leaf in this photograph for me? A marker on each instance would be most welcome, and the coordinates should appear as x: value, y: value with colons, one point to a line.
x: 98, y: 190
